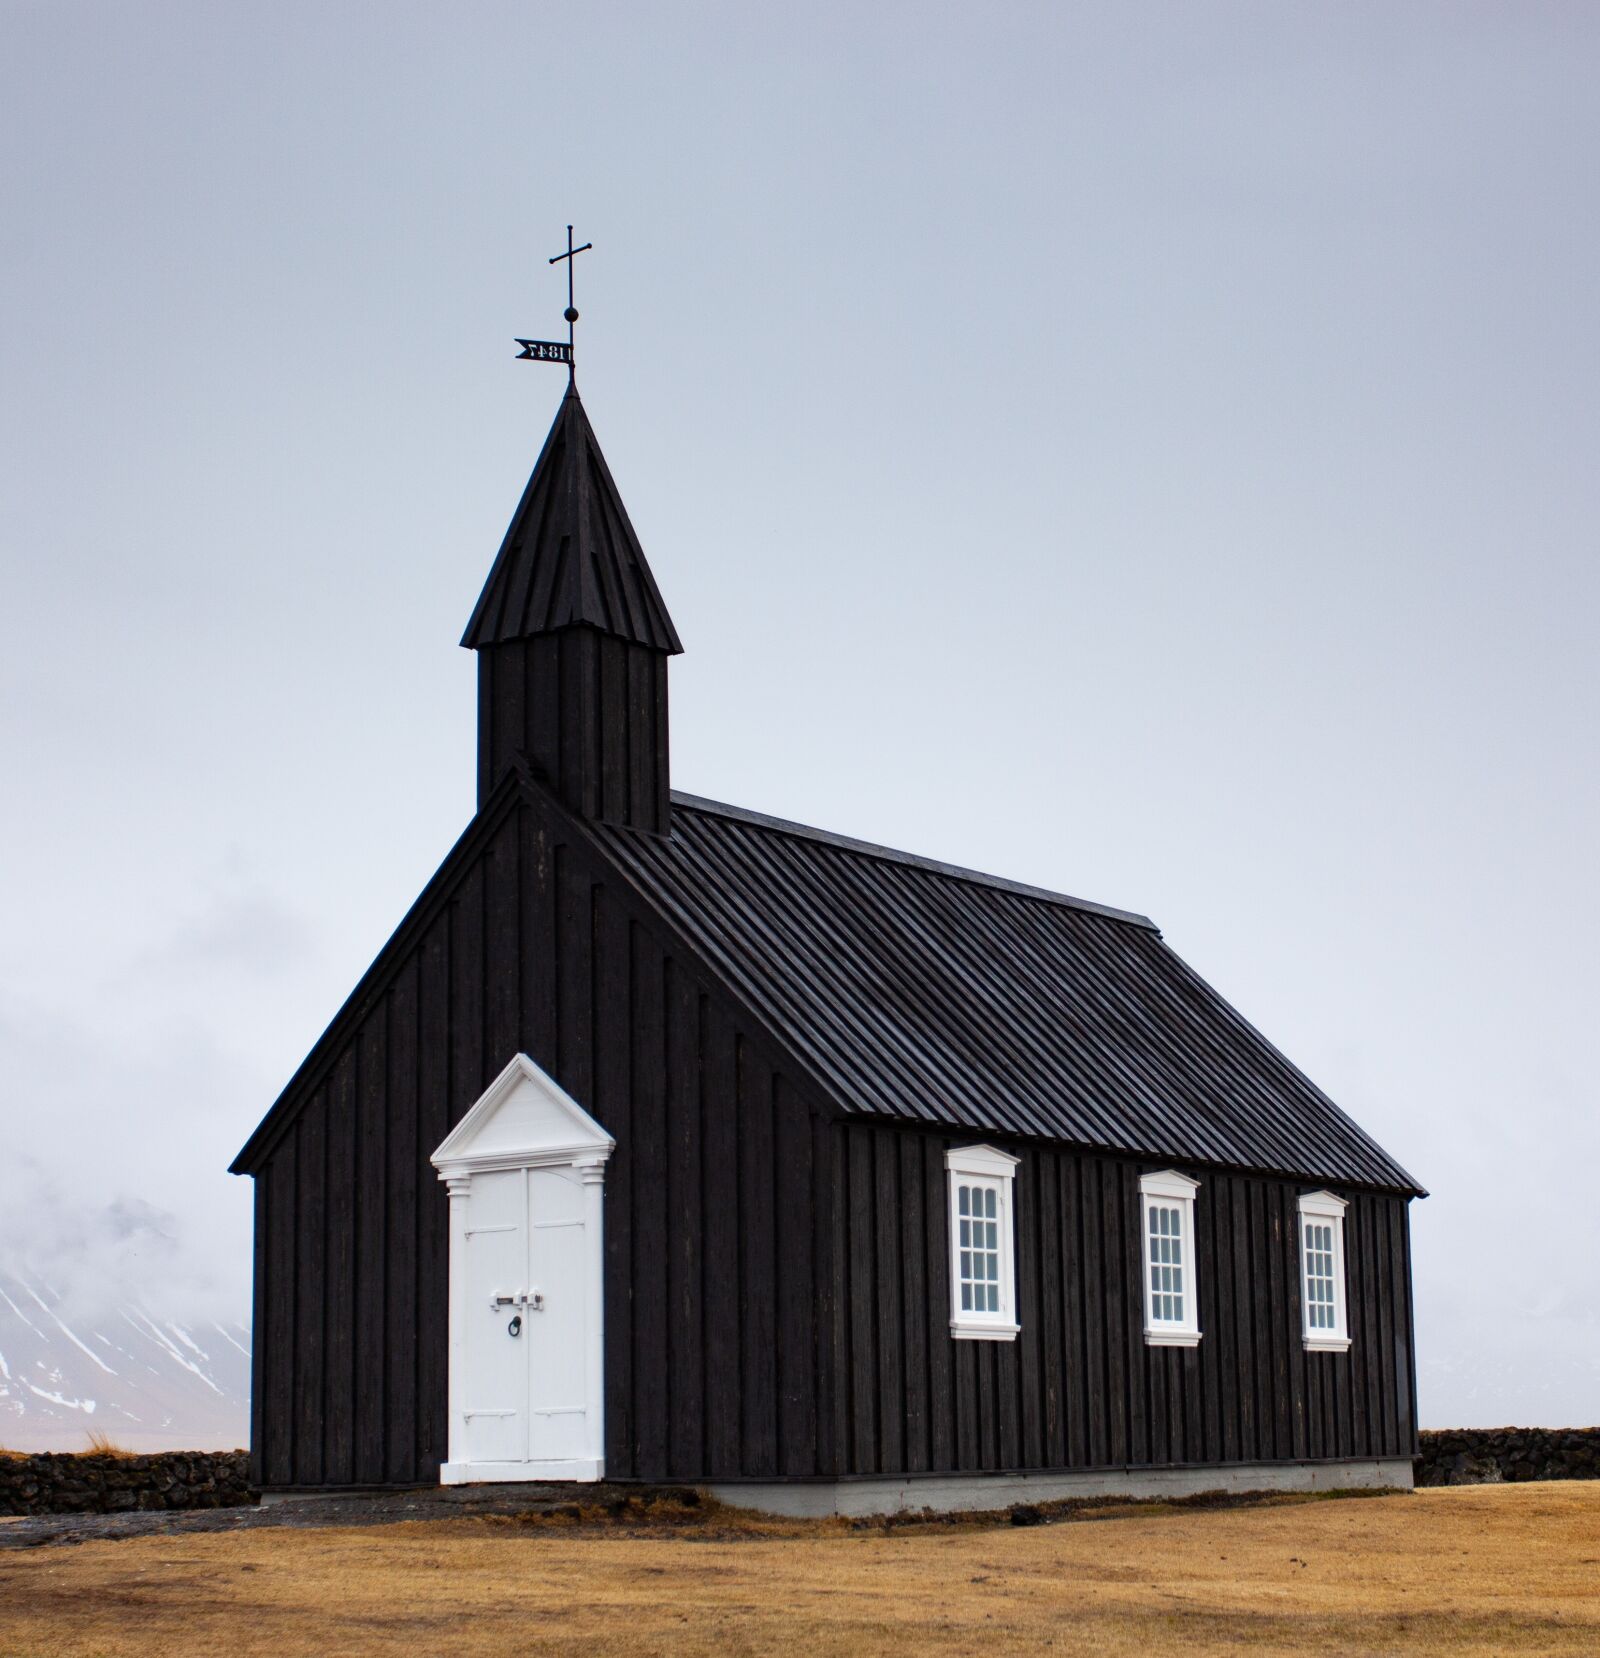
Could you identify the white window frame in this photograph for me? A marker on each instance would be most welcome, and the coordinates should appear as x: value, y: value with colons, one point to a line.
x: 1168, y: 1190
x: 1324, y: 1209
x: 988, y: 1168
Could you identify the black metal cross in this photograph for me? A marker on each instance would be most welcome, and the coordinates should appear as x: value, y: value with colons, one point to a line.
x: 545, y: 351
x: 572, y: 311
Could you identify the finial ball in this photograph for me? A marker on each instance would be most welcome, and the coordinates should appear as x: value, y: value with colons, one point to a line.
x: 571, y: 313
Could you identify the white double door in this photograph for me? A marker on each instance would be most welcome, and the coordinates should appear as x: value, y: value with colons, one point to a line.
x: 527, y: 1336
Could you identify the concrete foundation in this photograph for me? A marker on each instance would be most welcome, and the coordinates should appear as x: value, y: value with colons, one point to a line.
x: 952, y: 1493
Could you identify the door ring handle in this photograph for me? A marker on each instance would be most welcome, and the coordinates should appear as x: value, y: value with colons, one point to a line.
x: 514, y: 1328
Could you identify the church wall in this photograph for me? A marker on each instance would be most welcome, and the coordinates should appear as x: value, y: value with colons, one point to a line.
x: 716, y: 1282
x: 1080, y: 1388
x: 776, y: 1285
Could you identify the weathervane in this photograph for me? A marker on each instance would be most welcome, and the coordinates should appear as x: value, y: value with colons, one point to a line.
x: 552, y: 351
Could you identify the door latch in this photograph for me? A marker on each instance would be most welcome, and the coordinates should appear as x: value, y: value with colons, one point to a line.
x: 532, y: 1300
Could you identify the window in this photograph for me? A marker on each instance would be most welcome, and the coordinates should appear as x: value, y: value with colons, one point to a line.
x: 983, y: 1298
x: 1322, y: 1298
x: 1171, y: 1310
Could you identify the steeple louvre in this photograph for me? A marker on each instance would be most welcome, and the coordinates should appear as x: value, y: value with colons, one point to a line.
x: 573, y: 638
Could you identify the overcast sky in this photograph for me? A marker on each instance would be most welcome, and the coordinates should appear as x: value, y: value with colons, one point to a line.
x: 1148, y: 451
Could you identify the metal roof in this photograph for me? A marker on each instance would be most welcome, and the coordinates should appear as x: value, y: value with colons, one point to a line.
x: 919, y: 991
x: 570, y: 556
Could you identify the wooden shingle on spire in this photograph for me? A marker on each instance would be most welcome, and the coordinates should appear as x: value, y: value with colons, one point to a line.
x: 570, y: 557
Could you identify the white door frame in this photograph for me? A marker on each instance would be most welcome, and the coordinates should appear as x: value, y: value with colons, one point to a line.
x: 525, y: 1120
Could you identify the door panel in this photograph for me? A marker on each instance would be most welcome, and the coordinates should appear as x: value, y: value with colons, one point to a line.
x: 495, y: 1394
x: 560, y: 1268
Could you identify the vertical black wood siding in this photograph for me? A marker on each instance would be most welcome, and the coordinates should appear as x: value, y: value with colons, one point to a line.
x: 1080, y: 1388
x: 590, y: 710
x: 716, y: 1293
x: 776, y: 1282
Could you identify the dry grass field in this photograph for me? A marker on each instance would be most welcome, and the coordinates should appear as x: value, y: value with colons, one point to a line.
x: 1476, y: 1569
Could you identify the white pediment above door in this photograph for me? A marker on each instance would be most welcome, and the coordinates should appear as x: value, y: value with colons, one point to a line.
x: 524, y: 1119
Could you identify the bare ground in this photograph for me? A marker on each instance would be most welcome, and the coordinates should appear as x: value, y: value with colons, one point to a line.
x: 1511, y: 1568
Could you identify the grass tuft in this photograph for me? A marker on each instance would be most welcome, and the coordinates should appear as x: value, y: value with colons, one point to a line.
x: 103, y: 1445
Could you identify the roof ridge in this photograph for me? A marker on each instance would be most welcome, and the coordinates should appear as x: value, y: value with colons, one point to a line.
x: 912, y: 860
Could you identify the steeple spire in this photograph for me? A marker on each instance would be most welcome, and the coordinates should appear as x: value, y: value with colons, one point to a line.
x: 571, y: 556
x: 573, y: 639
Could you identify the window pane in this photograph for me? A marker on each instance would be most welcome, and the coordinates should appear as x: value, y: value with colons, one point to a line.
x: 1166, y: 1292
x: 1321, y: 1289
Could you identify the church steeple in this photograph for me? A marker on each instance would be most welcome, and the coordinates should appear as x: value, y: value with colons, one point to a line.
x: 573, y: 638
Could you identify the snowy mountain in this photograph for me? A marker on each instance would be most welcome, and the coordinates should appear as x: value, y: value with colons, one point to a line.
x: 148, y: 1383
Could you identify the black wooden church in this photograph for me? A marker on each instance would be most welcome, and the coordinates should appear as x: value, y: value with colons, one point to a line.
x: 669, y: 1141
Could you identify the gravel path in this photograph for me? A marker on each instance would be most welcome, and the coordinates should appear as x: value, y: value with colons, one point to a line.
x: 307, y: 1513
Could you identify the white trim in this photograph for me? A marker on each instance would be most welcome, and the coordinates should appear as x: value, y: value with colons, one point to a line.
x: 580, y: 1140
x: 981, y: 1160
x: 568, y: 1138
x: 1169, y: 1189
x: 996, y: 1169
x: 1169, y: 1183
x: 1326, y: 1207
x: 586, y: 1469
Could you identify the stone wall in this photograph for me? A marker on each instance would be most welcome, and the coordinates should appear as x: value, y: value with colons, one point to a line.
x: 61, y: 1482
x: 1486, y: 1456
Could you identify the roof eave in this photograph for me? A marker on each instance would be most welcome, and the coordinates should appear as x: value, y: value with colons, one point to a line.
x: 1139, y: 1154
